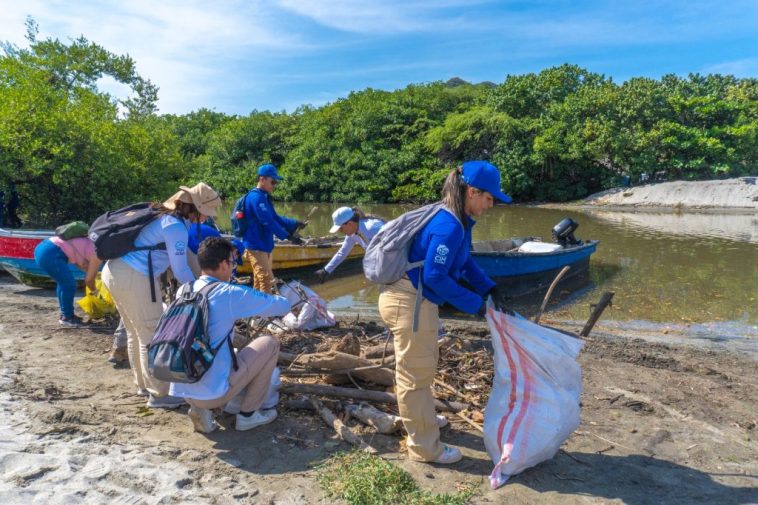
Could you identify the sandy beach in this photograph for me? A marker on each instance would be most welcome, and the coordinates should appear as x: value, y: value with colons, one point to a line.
x: 738, y: 194
x: 661, y: 423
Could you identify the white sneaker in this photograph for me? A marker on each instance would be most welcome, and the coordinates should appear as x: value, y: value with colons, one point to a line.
x: 234, y: 405
x: 165, y: 402
x: 441, y: 421
x: 449, y: 455
x: 202, y: 420
x: 259, y: 418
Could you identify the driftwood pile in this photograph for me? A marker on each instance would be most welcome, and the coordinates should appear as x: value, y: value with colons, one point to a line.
x: 347, y: 372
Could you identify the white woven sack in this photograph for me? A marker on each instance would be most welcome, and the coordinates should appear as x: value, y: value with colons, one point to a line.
x: 534, y: 404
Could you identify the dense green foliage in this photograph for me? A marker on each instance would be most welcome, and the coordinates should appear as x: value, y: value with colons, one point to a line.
x: 74, y: 151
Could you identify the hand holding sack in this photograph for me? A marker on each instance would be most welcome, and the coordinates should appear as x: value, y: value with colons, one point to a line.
x: 534, y: 403
x: 97, y: 304
x: 295, y: 239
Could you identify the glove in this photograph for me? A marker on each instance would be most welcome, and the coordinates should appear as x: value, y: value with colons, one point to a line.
x: 498, y: 295
x: 295, y: 239
x: 299, y: 225
x: 321, y: 275
x: 501, y: 300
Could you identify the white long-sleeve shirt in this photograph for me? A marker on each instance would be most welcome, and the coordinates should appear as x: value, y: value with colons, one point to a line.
x: 367, y: 228
x: 171, y: 230
x: 226, y: 303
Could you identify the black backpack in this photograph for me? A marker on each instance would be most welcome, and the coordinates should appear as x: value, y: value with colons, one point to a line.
x: 115, y: 231
x: 180, y: 350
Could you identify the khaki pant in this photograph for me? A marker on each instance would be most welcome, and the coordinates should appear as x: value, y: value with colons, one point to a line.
x: 131, y: 293
x: 253, y: 378
x: 263, y: 272
x: 416, y: 355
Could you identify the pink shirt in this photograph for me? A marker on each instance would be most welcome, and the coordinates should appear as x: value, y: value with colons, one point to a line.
x: 79, y: 250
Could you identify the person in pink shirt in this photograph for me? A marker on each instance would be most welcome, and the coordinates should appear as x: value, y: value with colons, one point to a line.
x: 53, y: 255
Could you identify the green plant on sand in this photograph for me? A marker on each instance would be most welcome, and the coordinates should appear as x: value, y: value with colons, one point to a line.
x: 360, y: 478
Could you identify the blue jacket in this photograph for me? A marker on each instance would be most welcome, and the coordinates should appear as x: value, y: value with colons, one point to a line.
x: 445, y: 247
x: 264, y: 222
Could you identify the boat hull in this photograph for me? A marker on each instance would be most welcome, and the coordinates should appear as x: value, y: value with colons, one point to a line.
x: 527, y: 276
x: 291, y: 257
x: 17, y: 257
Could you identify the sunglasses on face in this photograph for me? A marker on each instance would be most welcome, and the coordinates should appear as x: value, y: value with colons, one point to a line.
x: 273, y: 181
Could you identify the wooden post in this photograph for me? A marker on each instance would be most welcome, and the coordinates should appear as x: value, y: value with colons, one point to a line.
x: 550, y: 292
x: 604, y: 301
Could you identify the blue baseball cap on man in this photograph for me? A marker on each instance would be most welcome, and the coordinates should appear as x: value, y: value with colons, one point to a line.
x: 484, y: 176
x: 268, y: 170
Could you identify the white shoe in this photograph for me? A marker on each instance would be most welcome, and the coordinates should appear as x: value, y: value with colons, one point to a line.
x: 441, y: 421
x: 202, y: 420
x: 449, y: 455
x: 165, y: 402
x: 234, y: 405
x: 259, y: 418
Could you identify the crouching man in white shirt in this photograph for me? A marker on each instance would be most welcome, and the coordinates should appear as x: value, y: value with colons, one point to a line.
x: 249, y: 384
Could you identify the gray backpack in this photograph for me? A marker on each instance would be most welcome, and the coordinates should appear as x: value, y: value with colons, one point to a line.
x: 386, y: 258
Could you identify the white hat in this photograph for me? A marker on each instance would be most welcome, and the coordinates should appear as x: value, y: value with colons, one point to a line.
x: 340, y: 217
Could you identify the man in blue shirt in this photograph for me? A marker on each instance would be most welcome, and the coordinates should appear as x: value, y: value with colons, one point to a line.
x: 263, y: 223
x: 255, y: 363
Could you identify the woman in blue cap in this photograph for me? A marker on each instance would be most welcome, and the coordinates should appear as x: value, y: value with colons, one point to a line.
x: 443, y: 245
x: 358, y: 229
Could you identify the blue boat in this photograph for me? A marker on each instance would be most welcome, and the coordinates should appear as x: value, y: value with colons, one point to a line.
x: 527, y: 268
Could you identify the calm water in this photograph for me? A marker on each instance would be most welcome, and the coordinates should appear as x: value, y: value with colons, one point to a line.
x: 690, y: 269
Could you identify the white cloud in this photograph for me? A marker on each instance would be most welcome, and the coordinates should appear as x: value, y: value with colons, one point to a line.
x: 182, y: 46
x: 383, y: 17
x: 747, y: 67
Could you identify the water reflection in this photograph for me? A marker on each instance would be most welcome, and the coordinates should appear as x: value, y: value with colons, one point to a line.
x: 683, y: 268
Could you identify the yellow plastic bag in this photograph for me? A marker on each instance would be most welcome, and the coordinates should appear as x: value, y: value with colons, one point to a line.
x: 97, y: 307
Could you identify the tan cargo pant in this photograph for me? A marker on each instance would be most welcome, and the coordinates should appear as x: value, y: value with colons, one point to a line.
x: 256, y: 362
x: 416, y: 355
x: 131, y: 293
x: 263, y: 272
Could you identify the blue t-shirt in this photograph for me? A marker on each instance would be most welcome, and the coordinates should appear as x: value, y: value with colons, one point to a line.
x: 445, y: 247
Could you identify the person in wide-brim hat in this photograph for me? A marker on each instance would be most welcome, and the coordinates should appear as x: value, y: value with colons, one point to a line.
x: 205, y: 199
x: 133, y: 279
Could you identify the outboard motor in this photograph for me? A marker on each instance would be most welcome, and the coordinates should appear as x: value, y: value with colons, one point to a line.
x: 563, y: 233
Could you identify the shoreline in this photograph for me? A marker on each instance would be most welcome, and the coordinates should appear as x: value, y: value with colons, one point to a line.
x: 677, y: 418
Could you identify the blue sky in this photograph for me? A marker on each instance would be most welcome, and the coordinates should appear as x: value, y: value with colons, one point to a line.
x: 237, y: 56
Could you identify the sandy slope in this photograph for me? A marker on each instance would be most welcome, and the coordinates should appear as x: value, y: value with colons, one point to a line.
x: 660, y: 424
x: 739, y: 193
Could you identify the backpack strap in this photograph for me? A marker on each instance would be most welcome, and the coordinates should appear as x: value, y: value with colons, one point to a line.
x: 205, y: 291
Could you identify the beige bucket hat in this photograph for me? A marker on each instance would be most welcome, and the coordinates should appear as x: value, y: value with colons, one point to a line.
x: 203, y: 196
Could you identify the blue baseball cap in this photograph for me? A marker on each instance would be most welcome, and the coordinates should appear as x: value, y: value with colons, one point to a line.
x: 268, y: 170
x: 484, y: 176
